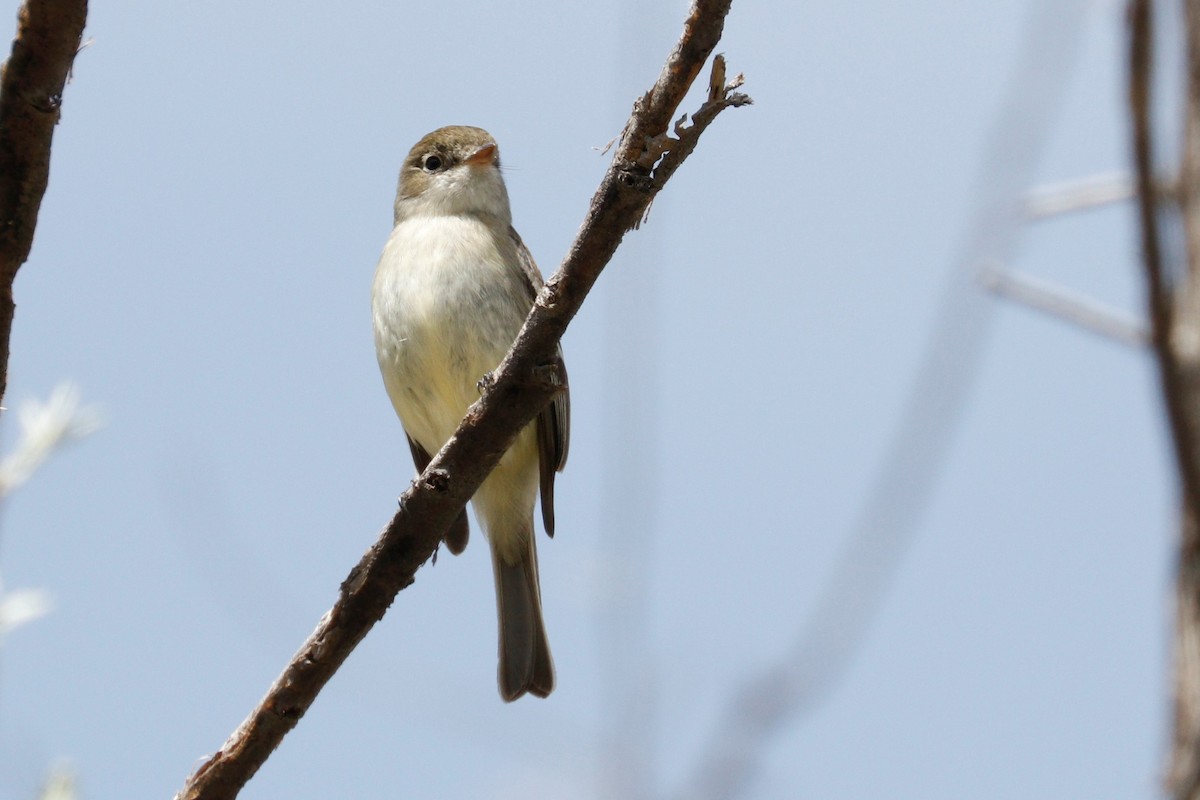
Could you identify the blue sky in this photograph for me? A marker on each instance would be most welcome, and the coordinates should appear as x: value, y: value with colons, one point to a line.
x: 221, y: 188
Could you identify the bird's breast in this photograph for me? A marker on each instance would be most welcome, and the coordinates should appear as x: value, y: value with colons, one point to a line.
x: 447, y: 304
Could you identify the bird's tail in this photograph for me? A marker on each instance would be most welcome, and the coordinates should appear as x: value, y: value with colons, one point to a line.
x: 525, y: 663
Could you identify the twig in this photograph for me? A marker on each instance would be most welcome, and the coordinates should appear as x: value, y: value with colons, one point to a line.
x: 508, y: 403
x: 1081, y: 195
x: 31, y: 89
x: 21, y: 606
x: 44, y: 429
x: 1065, y: 305
x: 60, y: 784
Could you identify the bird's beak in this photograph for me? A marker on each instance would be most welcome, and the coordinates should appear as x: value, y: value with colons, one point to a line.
x: 484, y: 156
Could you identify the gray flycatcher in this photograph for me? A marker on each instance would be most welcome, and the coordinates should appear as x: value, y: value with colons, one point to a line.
x: 452, y: 289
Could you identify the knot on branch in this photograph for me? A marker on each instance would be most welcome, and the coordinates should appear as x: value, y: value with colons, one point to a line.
x: 634, y: 179
x: 45, y: 103
x: 551, y: 293
x: 654, y: 148
x: 437, y: 479
x: 289, y: 713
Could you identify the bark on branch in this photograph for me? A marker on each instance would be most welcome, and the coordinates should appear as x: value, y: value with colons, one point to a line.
x: 645, y: 157
x: 1173, y: 297
x: 31, y: 88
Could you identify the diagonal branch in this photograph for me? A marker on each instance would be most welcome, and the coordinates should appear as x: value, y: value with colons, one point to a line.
x: 511, y: 398
x: 31, y: 88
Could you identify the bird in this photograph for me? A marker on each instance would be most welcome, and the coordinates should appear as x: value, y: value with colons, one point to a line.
x: 450, y: 293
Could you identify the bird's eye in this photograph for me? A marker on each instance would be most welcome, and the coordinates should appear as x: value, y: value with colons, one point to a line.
x: 432, y: 163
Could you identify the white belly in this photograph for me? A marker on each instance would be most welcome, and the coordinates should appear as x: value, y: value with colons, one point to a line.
x: 447, y: 304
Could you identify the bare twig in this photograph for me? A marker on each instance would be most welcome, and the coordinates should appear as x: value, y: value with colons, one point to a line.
x: 1080, y: 195
x: 1173, y: 298
x: 60, y: 784
x: 1065, y: 305
x: 509, y: 402
x: 31, y: 88
x: 20, y: 606
x: 44, y: 429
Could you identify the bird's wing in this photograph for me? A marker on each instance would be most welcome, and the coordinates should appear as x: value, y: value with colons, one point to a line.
x: 456, y: 537
x: 554, y: 422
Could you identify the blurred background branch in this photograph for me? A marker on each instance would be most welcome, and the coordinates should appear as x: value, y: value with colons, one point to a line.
x: 43, y: 429
x: 1170, y: 230
x: 1062, y: 303
x: 1090, y: 192
x: 31, y: 90
x: 831, y: 634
